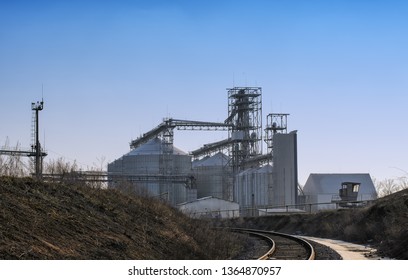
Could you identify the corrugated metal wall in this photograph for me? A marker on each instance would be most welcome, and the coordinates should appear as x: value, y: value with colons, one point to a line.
x: 253, y: 187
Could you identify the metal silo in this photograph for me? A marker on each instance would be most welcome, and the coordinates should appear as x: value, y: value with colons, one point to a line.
x: 213, y: 177
x: 153, y: 172
x: 253, y: 189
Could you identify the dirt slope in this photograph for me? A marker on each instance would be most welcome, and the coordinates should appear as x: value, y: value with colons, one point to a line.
x: 54, y: 221
x: 383, y: 224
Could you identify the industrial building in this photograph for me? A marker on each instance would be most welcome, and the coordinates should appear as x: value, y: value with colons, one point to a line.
x: 234, y: 170
x: 322, y: 191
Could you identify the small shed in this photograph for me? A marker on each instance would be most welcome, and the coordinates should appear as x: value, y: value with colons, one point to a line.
x: 210, y: 207
x: 322, y: 190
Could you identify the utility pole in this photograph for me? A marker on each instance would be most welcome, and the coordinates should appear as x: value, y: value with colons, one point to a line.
x: 36, y: 150
x: 36, y: 146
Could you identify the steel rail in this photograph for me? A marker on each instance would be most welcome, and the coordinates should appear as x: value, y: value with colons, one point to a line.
x: 305, y: 243
x: 271, y: 251
x: 309, y: 248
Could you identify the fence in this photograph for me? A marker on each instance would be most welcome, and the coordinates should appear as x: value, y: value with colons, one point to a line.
x: 305, y: 208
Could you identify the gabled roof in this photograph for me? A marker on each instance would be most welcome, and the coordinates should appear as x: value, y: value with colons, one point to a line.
x: 331, y: 183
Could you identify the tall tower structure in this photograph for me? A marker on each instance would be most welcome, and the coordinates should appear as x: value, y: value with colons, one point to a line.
x: 245, y: 118
x: 283, y: 147
x: 36, y: 146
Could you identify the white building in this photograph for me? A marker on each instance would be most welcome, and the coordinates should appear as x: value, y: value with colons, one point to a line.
x: 321, y: 189
x: 211, y: 207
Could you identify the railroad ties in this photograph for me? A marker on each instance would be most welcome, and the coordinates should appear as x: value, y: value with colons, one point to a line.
x: 282, y: 246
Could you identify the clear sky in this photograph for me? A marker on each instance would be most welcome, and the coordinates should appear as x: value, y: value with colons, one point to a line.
x: 112, y: 70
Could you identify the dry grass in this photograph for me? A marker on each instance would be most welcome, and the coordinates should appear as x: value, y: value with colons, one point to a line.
x: 56, y: 221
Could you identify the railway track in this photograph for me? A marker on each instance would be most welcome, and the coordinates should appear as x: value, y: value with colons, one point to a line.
x: 282, y: 246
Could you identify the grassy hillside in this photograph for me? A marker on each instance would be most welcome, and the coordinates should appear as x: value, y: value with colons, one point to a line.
x: 384, y: 224
x: 56, y: 221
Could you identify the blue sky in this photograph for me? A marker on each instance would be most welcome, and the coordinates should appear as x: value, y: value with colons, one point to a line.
x: 112, y: 70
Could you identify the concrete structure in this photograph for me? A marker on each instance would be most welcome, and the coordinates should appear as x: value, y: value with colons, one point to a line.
x: 284, y: 169
x: 210, y: 207
x: 322, y: 189
x: 154, y: 171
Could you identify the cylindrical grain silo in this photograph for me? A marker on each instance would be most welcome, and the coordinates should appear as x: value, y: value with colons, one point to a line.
x: 153, y: 172
x: 253, y: 189
x: 213, y: 177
